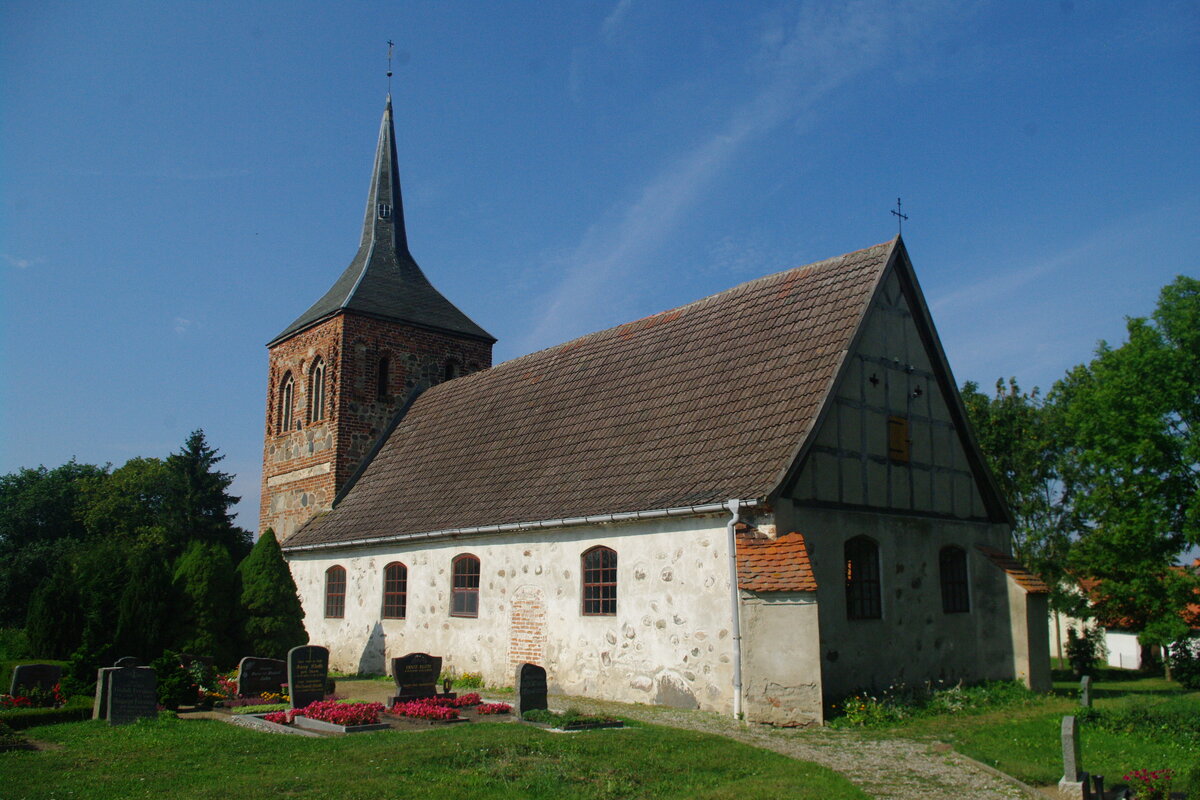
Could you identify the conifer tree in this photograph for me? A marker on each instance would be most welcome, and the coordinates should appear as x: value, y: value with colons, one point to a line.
x: 207, y: 586
x: 146, y: 607
x: 273, y: 618
x: 200, y: 507
x: 55, y: 623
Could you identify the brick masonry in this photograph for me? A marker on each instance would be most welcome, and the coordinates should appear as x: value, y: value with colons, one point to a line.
x: 527, y: 627
x: 324, y: 454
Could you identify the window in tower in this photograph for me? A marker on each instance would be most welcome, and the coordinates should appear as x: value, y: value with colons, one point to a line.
x: 316, y: 391
x: 287, y: 390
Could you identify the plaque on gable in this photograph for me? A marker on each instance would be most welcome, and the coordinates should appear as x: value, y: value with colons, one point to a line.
x: 307, y: 671
x: 530, y: 684
x: 258, y: 675
x: 416, y: 676
x: 34, y: 676
x: 132, y: 695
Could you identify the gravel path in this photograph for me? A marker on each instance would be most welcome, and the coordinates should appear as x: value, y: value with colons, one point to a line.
x: 886, y: 769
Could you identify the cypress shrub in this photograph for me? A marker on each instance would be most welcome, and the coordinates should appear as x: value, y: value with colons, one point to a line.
x: 272, y: 616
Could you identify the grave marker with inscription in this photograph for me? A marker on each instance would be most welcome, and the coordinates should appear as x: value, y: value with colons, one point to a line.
x: 35, y: 676
x: 1073, y: 781
x: 416, y: 676
x: 530, y: 684
x: 258, y: 675
x: 1085, y: 691
x: 307, y: 671
x: 132, y: 695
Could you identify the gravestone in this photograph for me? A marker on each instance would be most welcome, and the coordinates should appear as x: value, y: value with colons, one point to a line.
x: 307, y: 671
x: 35, y: 676
x: 530, y: 684
x: 100, y: 704
x: 127, y: 661
x: 132, y: 695
x: 1072, y: 783
x: 416, y: 676
x: 1085, y: 691
x: 258, y: 675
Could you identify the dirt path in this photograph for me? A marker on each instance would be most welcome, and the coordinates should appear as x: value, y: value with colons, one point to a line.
x: 886, y: 769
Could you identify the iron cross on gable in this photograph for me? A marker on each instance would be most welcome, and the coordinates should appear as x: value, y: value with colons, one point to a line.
x: 899, y: 217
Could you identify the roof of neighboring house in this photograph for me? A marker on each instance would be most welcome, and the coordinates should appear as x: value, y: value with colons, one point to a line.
x: 1093, y: 589
x: 383, y: 279
x: 1024, y: 578
x: 692, y: 406
x: 774, y: 565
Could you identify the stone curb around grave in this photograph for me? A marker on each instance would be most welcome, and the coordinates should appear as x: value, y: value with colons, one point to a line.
x: 1030, y: 791
x: 258, y: 724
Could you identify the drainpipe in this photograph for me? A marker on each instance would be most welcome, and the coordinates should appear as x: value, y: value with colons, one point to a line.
x: 735, y: 606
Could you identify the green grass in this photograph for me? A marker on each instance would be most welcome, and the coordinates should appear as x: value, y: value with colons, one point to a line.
x: 212, y: 759
x: 1025, y: 740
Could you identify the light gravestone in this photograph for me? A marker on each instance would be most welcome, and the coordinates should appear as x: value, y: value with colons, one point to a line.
x: 530, y: 684
x: 132, y: 695
x: 258, y: 675
x: 307, y: 671
x: 35, y: 676
x: 1073, y: 780
x: 100, y: 704
x: 1085, y: 691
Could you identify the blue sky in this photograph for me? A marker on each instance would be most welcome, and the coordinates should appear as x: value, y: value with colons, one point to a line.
x: 178, y: 181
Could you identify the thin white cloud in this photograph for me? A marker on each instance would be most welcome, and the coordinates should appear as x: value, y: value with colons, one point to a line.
x: 22, y: 263
x: 613, y: 21
x: 801, y: 64
x: 181, y: 325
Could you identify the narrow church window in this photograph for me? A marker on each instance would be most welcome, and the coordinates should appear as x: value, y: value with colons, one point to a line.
x: 464, y: 587
x: 381, y: 379
x: 862, y: 579
x: 286, y: 392
x: 898, y: 440
x: 395, y: 590
x: 335, y: 592
x: 600, y: 582
x: 956, y: 596
x: 316, y: 391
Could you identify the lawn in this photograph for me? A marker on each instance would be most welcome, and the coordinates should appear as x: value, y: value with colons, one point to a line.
x: 1159, y: 718
x: 211, y: 759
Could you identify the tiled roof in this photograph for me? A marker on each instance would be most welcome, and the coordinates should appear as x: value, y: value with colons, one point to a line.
x: 774, y: 565
x: 1024, y: 578
x: 383, y: 279
x: 697, y: 405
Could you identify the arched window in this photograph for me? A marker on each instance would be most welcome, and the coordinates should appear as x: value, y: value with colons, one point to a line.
x: 464, y: 587
x: 395, y: 590
x: 287, y: 392
x: 335, y: 592
x: 862, y: 579
x: 381, y: 379
x: 452, y: 370
x: 956, y: 594
x: 316, y: 391
x: 600, y: 582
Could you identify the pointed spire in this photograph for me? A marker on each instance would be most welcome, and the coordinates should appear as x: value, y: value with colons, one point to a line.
x: 384, y: 219
x: 383, y: 280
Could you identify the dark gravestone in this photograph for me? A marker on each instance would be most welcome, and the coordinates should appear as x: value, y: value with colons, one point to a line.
x: 1085, y: 691
x: 127, y: 661
x: 132, y: 695
x: 35, y: 676
x: 307, y: 671
x: 416, y: 676
x: 531, y: 688
x: 258, y: 675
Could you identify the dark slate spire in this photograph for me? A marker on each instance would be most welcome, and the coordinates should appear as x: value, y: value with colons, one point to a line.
x: 383, y: 280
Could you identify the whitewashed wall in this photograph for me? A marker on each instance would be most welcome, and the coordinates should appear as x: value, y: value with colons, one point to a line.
x: 669, y: 642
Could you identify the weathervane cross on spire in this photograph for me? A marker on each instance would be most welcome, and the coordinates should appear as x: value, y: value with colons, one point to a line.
x: 391, y: 44
x: 899, y: 217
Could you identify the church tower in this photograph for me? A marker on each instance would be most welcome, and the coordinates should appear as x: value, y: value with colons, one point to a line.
x: 341, y: 371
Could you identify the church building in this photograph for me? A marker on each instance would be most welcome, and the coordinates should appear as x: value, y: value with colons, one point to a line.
x: 755, y: 503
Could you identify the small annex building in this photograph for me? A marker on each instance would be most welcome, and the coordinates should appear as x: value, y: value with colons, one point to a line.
x: 757, y: 502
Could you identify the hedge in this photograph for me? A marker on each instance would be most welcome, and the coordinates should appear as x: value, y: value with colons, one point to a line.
x: 76, y: 709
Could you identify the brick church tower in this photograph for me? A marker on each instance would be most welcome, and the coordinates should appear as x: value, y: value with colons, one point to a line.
x: 339, y: 374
